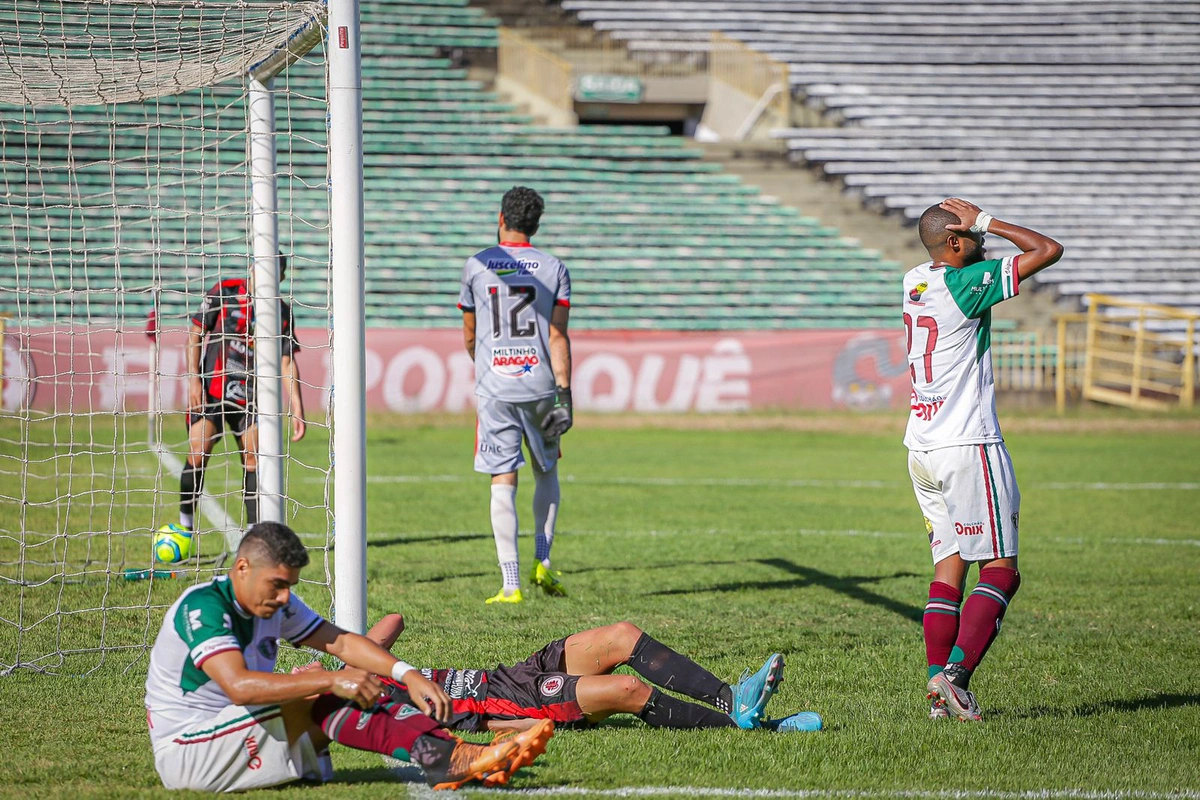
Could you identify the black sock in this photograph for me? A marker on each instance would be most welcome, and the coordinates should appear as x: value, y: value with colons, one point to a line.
x: 663, y: 667
x: 432, y: 755
x: 664, y: 711
x: 191, y: 481
x: 959, y: 675
x: 250, y: 493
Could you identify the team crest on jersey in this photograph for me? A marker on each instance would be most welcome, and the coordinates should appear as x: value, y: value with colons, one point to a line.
x: 514, y: 362
x: 915, y: 292
x: 551, y: 686
x: 269, y: 647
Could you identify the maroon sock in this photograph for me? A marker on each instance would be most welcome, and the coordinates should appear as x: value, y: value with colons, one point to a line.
x: 940, y: 624
x: 389, y: 728
x: 981, y: 616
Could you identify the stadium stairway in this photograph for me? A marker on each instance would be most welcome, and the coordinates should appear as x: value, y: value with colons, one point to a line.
x: 656, y: 237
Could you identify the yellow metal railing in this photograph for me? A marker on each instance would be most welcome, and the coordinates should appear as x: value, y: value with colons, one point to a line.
x: 1070, y: 352
x: 1021, y: 361
x: 1139, y: 355
x: 535, y: 67
x: 752, y: 73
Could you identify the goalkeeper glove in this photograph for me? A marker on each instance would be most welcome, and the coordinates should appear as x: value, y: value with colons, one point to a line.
x: 558, y: 421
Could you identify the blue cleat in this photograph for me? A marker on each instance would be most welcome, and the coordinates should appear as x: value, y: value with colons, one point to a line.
x: 752, y: 692
x: 804, y: 721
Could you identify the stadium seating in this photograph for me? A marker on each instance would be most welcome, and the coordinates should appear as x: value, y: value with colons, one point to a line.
x: 654, y: 236
x: 1081, y: 119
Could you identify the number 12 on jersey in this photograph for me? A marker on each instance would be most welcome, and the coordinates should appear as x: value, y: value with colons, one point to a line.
x: 516, y: 330
x: 931, y: 337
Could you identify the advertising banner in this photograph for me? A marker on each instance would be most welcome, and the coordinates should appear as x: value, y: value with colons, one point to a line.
x: 76, y: 370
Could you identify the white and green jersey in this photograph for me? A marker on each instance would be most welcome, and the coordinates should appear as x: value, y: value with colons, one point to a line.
x: 204, y: 621
x: 948, y: 321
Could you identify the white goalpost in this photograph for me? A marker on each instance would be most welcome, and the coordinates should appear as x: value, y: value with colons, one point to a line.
x: 151, y: 149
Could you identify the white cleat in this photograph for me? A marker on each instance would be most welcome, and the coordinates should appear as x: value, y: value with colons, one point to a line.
x: 958, y: 703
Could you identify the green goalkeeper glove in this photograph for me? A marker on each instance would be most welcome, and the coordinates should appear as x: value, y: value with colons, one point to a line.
x: 559, y: 420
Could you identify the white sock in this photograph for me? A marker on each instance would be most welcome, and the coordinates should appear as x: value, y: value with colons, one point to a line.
x: 504, y: 529
x: 545, y: 512
x: 187, y: 521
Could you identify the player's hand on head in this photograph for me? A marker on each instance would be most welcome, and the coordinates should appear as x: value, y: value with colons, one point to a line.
x: 428, y: 696
x: 965, y: 211
x: 358, y: 685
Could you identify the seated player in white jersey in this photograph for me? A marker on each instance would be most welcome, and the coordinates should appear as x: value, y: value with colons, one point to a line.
x: 960, y: 469
x: 516, y: 301
x: 222, y: 720
x: 572, y: 682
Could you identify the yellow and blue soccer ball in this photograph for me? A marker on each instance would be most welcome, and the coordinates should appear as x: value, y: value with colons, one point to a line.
x: 172, y: 544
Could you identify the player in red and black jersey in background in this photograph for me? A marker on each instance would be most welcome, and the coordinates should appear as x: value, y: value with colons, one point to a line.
x: 221, y: 392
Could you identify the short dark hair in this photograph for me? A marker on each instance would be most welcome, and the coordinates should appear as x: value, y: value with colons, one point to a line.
x: 522, y: 208
x: 275, y: 543
x: 282, y: 264
x: 932, y: 226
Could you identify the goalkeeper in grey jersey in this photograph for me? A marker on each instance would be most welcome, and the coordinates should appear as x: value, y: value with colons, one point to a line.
x: 515, y: 301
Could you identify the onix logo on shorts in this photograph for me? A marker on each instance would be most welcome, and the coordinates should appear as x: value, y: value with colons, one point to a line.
x: 551, y: 686
x: 970, y: 529
x: 514, y: 362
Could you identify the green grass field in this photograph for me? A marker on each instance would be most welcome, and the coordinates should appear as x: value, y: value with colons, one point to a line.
x: 727, y: 541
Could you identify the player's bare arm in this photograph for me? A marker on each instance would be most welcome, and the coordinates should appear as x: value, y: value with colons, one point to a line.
x: 560, y: 346
x: 245, y: 686
x: 469, y: 333
x: 195, y: 384
x: 359, y: 651
x: 561, y: 417
x: 291, y: 377
x: 1038, y: 251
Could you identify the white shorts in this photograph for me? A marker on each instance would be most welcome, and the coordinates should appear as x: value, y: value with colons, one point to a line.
x: 970, y: 500
x: 238, y: 749
x: 499, y: 429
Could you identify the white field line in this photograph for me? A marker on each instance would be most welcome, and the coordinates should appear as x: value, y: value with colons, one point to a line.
x: 781, y: 533
x: 788, y: 483
x: 844, y: 794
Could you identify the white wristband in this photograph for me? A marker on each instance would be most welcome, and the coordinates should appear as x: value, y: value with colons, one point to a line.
x: 398, y: 670
x: 982, y: 220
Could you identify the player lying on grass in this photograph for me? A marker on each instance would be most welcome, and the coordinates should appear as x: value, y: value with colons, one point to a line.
x: 571, y: 682
x: 222, y: 720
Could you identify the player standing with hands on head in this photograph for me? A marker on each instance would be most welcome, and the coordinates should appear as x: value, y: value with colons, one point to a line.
x: 516, y: 300
x: 222, y: 720
x: 220, y: 387
x: 960, y: 469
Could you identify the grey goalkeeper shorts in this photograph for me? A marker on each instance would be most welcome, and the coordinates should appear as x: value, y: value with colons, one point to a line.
x: 499, y: 428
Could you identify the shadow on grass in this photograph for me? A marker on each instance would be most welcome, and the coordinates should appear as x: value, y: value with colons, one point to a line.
x: 849, y: 585
x: 443, y: 538
x: 1155, y: 702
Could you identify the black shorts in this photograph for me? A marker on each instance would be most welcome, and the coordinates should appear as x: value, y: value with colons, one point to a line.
x: 536, y: 688
x: 222, y: 412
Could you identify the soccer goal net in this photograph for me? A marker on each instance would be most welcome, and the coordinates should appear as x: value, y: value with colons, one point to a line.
x: 143, y: 165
